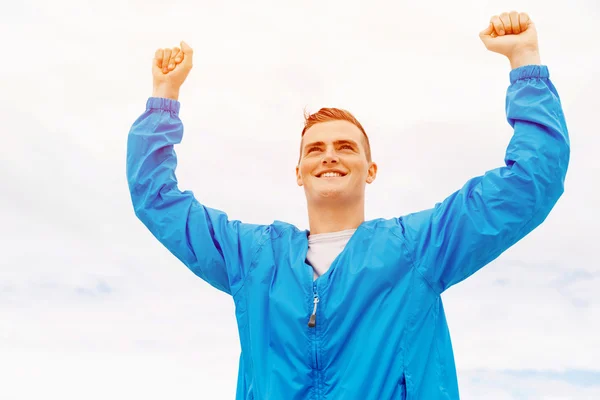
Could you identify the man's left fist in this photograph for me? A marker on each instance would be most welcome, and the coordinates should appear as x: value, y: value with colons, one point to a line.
x: 511, y: 34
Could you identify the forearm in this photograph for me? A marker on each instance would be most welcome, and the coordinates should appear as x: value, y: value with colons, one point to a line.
x: 151, y: 160
x: 174, y: 217
x: 540, y: 148
x: 201, y: 237
x: 522, y: 58
x: 490, y: 213
x: 166, y: 92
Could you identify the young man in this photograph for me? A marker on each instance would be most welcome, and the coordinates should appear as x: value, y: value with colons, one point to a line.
x: 351, y: 309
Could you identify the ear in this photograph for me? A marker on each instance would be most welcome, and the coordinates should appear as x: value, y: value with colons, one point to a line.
x: 298, y: 176
x: 372, y: 173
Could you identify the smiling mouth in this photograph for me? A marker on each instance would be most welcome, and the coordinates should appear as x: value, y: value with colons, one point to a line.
x: 331, y: 175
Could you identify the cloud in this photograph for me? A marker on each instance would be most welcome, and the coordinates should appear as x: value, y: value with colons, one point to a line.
x: 529, y: 384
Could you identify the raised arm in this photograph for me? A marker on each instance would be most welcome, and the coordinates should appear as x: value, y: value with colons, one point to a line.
x: 490, y: 213
x: 214, y: 248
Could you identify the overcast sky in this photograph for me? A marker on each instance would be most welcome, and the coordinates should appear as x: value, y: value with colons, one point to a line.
x: 92, y: 306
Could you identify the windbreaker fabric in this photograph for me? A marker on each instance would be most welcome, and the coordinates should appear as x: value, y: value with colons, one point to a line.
x: 380, y: 331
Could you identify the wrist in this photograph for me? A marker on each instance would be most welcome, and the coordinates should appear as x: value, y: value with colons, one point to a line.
x: 165, y: 92
x: 524, y: 57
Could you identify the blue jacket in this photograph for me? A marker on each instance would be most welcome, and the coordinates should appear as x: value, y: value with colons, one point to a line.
x: 380, y: 330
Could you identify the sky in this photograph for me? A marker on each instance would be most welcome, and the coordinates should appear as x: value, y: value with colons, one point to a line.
x: 92, y: 306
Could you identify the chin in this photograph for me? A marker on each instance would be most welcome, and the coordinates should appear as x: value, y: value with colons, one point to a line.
x: 327, y: 194
x: 332, y: 193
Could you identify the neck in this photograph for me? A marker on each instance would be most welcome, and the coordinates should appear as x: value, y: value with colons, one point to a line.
x: 327, y: 217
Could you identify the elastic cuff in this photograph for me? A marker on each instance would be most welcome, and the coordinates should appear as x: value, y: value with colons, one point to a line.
x: 529, y: 71
x: 162, y: 103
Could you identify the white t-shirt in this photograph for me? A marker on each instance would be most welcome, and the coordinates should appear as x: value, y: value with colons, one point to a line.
x: 324, y: 248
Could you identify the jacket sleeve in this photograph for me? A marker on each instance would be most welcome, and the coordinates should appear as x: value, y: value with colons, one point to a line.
x: 490, y: 213
x: 217, y: 250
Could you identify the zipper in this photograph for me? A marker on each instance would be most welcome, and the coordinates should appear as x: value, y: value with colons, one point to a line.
x: 312, y: 322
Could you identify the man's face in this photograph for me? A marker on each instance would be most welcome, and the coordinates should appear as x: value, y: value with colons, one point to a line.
x: 333, y: 164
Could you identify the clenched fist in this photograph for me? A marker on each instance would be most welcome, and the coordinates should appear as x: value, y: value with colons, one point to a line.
x: 170, y: 68
x: 514, y: 36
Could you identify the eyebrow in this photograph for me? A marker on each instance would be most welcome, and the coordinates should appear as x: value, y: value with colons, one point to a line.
x: 337, y: 142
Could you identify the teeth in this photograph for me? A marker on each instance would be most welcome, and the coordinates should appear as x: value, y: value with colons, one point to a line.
x: 331, y: 174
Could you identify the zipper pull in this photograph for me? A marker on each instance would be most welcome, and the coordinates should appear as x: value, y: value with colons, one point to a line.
x: 312, y: 322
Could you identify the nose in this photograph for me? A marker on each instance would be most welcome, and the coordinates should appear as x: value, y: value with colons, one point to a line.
x: 330, y: 157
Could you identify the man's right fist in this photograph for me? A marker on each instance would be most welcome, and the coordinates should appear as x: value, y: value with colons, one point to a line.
x: 170, y: 68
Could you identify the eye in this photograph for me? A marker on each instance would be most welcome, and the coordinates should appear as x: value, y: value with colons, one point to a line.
x: 314, y: 148
x: 346, y: 146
